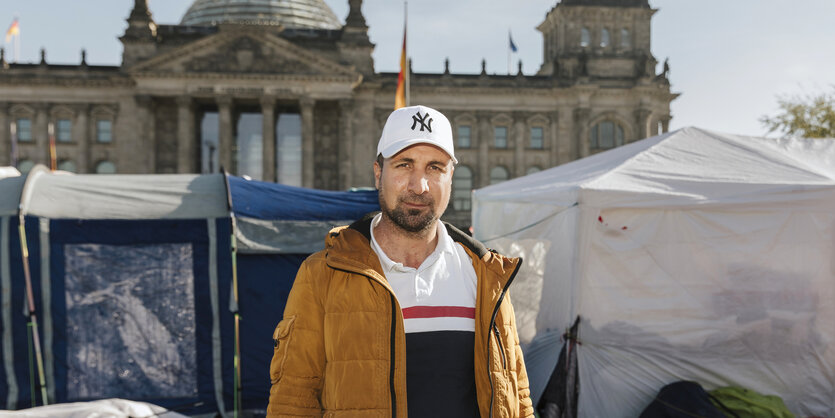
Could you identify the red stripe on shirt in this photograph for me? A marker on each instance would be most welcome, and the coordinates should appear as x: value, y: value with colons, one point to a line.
x: 438, y: 312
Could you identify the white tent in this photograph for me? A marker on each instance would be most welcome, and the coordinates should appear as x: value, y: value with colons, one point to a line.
x: 693, y: 255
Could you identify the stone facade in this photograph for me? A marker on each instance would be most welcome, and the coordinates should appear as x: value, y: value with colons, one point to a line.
x: 597, y: 88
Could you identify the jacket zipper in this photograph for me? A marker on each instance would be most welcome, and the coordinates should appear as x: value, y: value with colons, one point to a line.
x: 501, y: 347
x: 393, y: 351
x: 392, y: 339
x: 492, y: 324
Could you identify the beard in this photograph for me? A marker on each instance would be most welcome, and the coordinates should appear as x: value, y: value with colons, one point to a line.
x: 413, y: 221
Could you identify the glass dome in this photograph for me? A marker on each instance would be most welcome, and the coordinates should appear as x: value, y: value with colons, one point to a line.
x: 295, y: 14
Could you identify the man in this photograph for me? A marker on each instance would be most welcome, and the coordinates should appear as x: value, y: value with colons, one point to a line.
x: 402, y: 313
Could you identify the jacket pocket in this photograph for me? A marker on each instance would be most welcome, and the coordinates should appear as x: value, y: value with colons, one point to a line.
x: 282, y: 338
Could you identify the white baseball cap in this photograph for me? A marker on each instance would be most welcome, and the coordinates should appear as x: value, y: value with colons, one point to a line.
x: 412, y: 125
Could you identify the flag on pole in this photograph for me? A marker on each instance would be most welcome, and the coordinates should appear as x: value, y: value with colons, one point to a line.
x: 402, y: 78
x: 14, y: 30
x: 510, y: 42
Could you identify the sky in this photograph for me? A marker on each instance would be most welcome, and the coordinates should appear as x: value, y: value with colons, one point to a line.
x: 730, y: 60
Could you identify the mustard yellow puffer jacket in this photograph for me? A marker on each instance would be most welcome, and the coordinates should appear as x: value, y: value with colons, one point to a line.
x: 340, y: 349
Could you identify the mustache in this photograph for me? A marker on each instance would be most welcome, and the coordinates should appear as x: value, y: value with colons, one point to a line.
x: 416, y: 199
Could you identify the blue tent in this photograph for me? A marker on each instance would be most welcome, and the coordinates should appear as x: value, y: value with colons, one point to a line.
x: 132, y: 278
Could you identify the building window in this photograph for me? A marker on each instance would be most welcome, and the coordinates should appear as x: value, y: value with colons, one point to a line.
x: 537, y: 138
x: 105, y: 167
x: 63, y: 131
x: 24, y: 166
x: 604, y: 38
x: 498, y: 174
x: 605, y: 135
x: 462, y: 187
x: 464, y: 132
x: 585, y: 37
x: 500, y: 136
x: 625, y: 40
x: 67, y: 165
x: 104, y: 131
x: 24, y: 130
x: 533, y: 169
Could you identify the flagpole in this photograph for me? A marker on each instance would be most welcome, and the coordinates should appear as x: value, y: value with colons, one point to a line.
x: 408, y: 70
x: 508, y: 51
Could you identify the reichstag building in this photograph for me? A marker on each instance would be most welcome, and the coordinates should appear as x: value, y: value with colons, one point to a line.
x: 281, y: 90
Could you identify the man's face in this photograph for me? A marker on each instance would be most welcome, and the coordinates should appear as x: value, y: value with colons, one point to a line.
x: 415, y: 186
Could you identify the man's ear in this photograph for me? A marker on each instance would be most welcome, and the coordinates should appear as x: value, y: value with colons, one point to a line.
x: 378, y: 171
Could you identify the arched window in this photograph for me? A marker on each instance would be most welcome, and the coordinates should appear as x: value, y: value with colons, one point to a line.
x: 498, y: 174
x: 585, y: 37
x: 625, y: 39
x: 604, y: 38
x: 462, y: 187
x: 605, y: 135
x: 533, y: 169
x: 67, y: 165
x: 105, y: 167
x: 24, y: 166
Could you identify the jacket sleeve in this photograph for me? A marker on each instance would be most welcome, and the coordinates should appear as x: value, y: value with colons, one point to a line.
x: 526, y: 408
x: 298, y: 362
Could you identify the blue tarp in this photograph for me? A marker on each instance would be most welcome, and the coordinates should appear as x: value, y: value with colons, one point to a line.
x: 135, y: 299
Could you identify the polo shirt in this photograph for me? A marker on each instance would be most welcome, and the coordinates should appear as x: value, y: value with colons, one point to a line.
x: 438, y: 304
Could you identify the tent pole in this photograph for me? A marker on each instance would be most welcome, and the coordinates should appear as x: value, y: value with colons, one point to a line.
x: 236, y: 396
x: 30, y: 308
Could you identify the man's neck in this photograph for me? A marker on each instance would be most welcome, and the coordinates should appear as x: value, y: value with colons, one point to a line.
x: 407, y: 248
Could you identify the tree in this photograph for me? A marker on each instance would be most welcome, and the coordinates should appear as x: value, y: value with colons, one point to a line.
x: 810, y: 116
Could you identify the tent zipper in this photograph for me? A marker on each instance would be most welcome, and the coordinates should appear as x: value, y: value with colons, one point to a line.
x: 491, y: 325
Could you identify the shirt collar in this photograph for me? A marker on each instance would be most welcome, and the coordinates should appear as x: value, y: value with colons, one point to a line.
x: 445, y: 245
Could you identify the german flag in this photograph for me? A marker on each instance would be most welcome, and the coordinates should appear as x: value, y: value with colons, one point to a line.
x: 14, y: 30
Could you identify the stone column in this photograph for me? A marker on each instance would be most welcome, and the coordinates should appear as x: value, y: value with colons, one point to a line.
x: 5, y: 135
x: 346, y: 143
x: 268, y: 138
x: 581, y: 130
x: 148, y: 131
x: 186, y: 136
x: 40, y: 134
x: 308, y: 162
x: 226, y: 133
x: 82, y: 138
x: 555, y: 150
x: 642, y: 117
x: 484, y: 138
x: 519, y: 143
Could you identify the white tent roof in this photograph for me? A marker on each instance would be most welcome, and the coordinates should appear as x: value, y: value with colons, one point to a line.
x: 692, y: 255
x: 69, y: 196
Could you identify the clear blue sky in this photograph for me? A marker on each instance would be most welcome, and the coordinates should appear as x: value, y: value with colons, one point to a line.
x: 729, y: 59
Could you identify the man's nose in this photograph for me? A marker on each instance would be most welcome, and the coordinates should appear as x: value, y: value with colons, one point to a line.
x: 418, y: 184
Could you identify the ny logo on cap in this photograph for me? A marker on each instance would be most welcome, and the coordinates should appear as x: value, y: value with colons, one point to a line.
x: 417, y: 118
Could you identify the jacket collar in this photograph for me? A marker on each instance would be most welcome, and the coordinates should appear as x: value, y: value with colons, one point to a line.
x: 363, y: 226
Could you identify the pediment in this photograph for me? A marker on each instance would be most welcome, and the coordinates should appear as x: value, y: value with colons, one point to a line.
x: 243, y: 52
